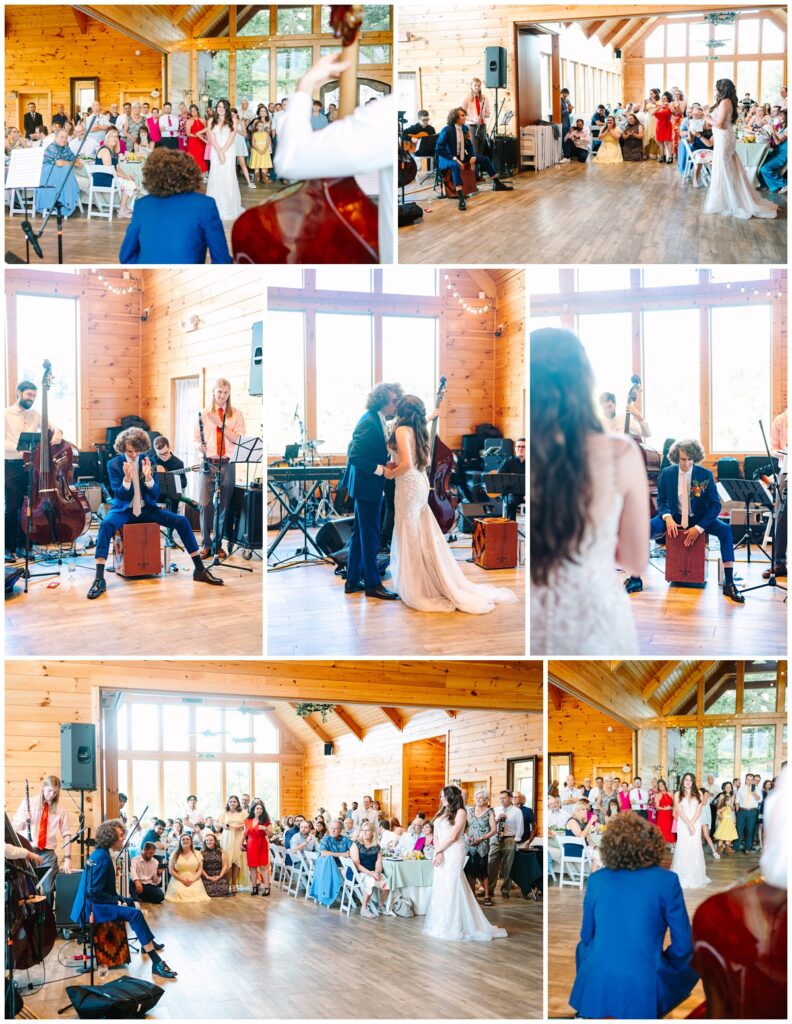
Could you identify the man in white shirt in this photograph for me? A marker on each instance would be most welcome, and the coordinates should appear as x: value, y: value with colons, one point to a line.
x: 782, y: 99
x: 364, y: 813
x: 169, y: 128
x: 748, y: 798
x: 90, y: 145
x: 145, y: 875
x: 358, y: 144
x: 503, y: 845
x: 122, y: 120
x: 246, y: 112
x: 192, y: 814
x: 556, y: 817
x: 639, y: 798
x: 20, y: 418
x: 570, y: 793
x: 595, y: 793
x: 99, y: 122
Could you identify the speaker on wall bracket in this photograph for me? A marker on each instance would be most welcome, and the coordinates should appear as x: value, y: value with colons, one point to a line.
x: 78, y: 755
x: 328, y: 749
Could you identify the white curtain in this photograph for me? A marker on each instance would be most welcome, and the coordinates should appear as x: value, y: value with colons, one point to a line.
x: 187, y: 400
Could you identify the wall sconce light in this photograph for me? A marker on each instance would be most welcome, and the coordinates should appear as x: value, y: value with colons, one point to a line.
x: 191, y: 323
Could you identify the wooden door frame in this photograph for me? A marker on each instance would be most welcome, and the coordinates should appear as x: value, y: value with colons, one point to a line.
x: 31, y: 91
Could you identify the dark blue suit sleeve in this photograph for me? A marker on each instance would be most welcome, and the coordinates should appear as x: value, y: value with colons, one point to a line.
x: 115, y: 471
x: 365, y: 442
x: 130, y: 247
x: 587, y: 927
x: 215, y: 235
x: 666, y: 500
x: 712, y: 505
x: 444, y: 147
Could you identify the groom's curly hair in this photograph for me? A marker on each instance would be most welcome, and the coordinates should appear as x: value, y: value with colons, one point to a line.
x: 630, y: 842
x: 380, y: 395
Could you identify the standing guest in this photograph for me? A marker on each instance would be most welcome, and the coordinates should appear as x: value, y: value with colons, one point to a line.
x: 707, y: 798
x: 60, y: 118
x: 677, y: 107
x: 586, y: 788
x: 256, y: 826
x: 481, y: 828
x: 135, y: 123
x: 214, y: 867
x: 122, y: 121
x: 747, y: 814
x: 183, y: 116
x: 639, y: 798
x: 566, y: 124
x: 155, y: 837
x: 168, y: 128
x: 367, y: 858
x: 595, y: 793
x: 365, y: 813
x: 45, y: 821
x: 113, y: 113
x: 725, y: 832
x: 245, y: 110
x: 192, y: 814
x: 767, y: 787
x: 32, y: 120
x: 245, y: 802
x: 223, y: 427
x: 659, y: 979
x: 650, y: 105
x: 153, y: 122
x: 509, y: 830
x: 241, y: 146
x: 186, y: 868
x: 233, y: 823
x: 174, y: 223
x: 663, y: 133
x: 196, y: 137
x: 146, y: 875
x: 570, y: 793
x: 625, y: 804
x: 260, y: 158
x: 477, y: 113
x: 529, y: 819
x: 318, y: 116
x: 664, y: 803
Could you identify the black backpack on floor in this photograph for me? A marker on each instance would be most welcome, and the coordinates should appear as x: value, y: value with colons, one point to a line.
x: 123, y: 999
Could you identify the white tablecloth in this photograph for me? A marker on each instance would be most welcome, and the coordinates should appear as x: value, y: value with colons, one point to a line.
x: 752, y: 155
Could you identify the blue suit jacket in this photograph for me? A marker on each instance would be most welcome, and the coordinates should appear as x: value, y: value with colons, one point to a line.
x: 631, y: 910
x: 367, y: 451
x: 447, y: 143
x: 97, y: 890
x: 122, y: 496
x: 175, y: 230
x: 705, y: 505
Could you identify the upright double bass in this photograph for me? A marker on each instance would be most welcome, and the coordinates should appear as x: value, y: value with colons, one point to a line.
x: 443, y: 498
x: 57, y: 513
x: 325, y: 220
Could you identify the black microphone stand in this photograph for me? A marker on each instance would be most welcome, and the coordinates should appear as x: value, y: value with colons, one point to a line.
x: 217, y: 540
x: 33, y: 237
x: 772, y: 580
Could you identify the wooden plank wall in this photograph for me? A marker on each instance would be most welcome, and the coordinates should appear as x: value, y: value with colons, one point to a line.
x: 479, y: 742
x: 592, y: 681
x: 38, y: 698
x: 423, y: 775
x: 44, y: 48
x: 109, y: 345
x: 583, y: 730
x: 228, y: 301
x: 509, y: 398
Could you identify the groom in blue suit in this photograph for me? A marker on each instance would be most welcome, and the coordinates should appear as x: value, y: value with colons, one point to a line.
x: 365, y: 482
x: 687, y: 499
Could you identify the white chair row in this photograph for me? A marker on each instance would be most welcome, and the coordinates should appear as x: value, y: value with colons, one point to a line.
x: 104, y: 197
x: 572, y: 870
x: 296, y: 877
x: 694, y: 157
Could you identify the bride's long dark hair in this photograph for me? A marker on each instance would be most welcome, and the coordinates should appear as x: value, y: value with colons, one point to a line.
x: 227, y: 119
x: 562, y: 419
x: 725, y: 90
x: 411, y: 412
x: 454, y: 801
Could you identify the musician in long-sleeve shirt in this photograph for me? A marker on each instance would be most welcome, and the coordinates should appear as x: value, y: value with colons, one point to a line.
x: 223, y: 426
x: 46, y: 821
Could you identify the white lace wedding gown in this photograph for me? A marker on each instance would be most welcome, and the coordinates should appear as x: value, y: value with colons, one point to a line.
x: 222, y: 185
x: 584, y: 608
x: 423, y: 568
x: 453, y: 911
x: 730, y: 193
x: 688, y: 860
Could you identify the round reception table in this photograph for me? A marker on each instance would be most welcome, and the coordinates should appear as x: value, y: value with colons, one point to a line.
x: 410, y: 878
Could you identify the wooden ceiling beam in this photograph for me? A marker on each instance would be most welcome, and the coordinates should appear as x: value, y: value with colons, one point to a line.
x: 612, y: 33
x: 451, y: 714
x: 688, y: 683
x: 244, y: 14
x: 556, y: 696
x: 642, y: 29
x: 82, y: 20
x: 315, y: 728
x: 592, y: 26
x: 581, y: 13
x: 180, y: 13
x: 394, y: 717
x: 354, y: 727
x: 657, y: 679
x: 483, y: 282
x: 213, y: 12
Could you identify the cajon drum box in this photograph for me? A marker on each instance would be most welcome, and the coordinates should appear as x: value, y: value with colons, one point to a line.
x: 137, y: 550
x: 685, y: 565
x: 469, y: 186
x: 495, y: 543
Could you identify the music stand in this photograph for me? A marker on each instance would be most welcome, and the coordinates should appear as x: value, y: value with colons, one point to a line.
x: 772, y: 580
x: 747, y: 492
x: 505, y: 484
x: 28, y: 442
x: 23, y: 173
x: 426, y: 151
x: 248, y: 449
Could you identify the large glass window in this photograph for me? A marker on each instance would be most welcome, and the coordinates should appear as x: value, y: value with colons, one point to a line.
x: 144, y: 726
x: 772, y: 80
x: 257, y: 25
x: 741, y: 272
x: 175, y: 788
x: 747, y: 78
x: 699, y: 34
x: 607, y: 339
x: 740, y: 384
x: 213, y: 74
x: 266, y: 780
x: 681, y: 754
x: 726, y: 34
x: 718, y: 752
x: 175, y: 728
x: 285, y: 375
x: 409, y: 355
x: 294, y: 21
x: 375, y: 53
x: 698, y: 82
x: 237, y: 778
x: 343, y: 375
x: 145, y: 788
x: 602, y: 279
x: 208, y: 785
x: 758, y: 750
x: 267, y: 736
x: 654, y: 44
x: 671, y: 339
x: 720, y: 692
x: 39, y: 319
x: 239, y: 731
x: 675, y: 76
x: 208, y: 730
x: 406, y: 280
x: 659, y: 276
x: 748, y: 35
x: 291, y: 64
x: 544, y: 280
x: 376, y: 17
x: 654, y: 76
x: 343, y: 279
x: 760, y: 687
x: 773, y: 38
x: 253, y: 75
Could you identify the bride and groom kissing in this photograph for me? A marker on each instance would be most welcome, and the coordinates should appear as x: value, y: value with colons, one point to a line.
x: 391, y: 442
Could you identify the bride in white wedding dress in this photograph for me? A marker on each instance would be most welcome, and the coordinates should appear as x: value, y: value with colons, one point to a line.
x: 688, y: 860
x: 425, y: 573
x: 730, y: 192
x: 222, y: 184
x: 453, y: 911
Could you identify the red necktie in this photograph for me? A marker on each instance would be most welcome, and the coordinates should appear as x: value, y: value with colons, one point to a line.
x: 43, y: 824
x: 220, y: 437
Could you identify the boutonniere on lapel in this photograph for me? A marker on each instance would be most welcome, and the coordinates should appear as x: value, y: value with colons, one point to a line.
x: 698, y: 488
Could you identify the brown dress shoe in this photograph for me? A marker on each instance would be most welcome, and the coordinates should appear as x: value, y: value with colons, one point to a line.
x: 204, y: 553
x: 221, y: 554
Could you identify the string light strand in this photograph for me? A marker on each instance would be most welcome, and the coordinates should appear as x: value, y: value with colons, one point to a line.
x: 128, y: 290
x: 475, y: 310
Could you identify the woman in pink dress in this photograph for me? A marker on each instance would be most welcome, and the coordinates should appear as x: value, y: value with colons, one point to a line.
x: 663, y: 133
x: 624, y: 797
x: 153, y: 126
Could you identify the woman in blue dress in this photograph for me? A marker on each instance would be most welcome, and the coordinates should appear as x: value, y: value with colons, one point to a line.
x: 630, y: 903
x: 58, y: 159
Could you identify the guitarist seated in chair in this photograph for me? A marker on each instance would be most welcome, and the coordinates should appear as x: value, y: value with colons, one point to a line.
x: 687, y: 500
x: 454, y: 149
x: 166, y: 462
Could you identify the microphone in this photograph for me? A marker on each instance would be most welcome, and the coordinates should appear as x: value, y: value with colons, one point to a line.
x: 296, y: 412
x: 31, y: 236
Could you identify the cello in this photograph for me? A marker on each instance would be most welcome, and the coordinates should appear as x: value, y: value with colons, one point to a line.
x: 57, y: 512
x: 443, y: 499
x: 652, y: 458
x: 325, y: 220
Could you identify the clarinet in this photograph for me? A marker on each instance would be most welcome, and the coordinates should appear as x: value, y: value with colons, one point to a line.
x: 205, y: 459
x: 27, y: 801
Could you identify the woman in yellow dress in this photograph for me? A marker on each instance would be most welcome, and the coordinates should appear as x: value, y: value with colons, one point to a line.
x: 186, y: 865
x: 233, y: 821
x: 609, y: 151
x: 260, y: 157
x: 726, y: 831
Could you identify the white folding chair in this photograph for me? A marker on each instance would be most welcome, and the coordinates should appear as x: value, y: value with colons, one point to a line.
x: 20, y: 201
x: 310, y: 864
x: 98, y: 192
x: 352, y: 891
x: 553, y: 844
x: 277, y: 862
x: 574, y: 865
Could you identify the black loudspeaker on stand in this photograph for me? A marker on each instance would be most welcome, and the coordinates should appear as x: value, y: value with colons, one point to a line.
x: 256, y: 382
x: 78, y: 755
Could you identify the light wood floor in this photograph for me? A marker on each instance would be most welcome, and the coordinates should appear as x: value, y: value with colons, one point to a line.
x: 697, y: 622
x: 169, y: 615
x: 565, y: 910
x: 584, y: 213
x: 309, y: 614
x: 245, y: 957
x: 96, y: 240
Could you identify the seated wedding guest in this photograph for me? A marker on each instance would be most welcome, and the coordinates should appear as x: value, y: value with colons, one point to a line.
x: 632, y: 139
x: 174, y: 835
x: 421, y: 127
x: 14, y: 140
x: 156, y: 836
x: 609, y: 143
x: 579, y: 828
x: 175, y: 223
x: 349, y: 828
x: 56, y: 173
x: 699, y: 138
x: 613, y: 808
x: 367, y: 857
x: 579, y: 139
x: 108, y: 154
x: 214, y: 866
x: 145, y: 874
x: 425, y: 842
x: 597, y: 123
x: 770, y: 174
x: 326, y: 883
x: 481, y: 828
x: 79, y: 139
x: 302, y: 841
x: 186, y: 867
x: 658, y: 979
x: 557, y: 816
